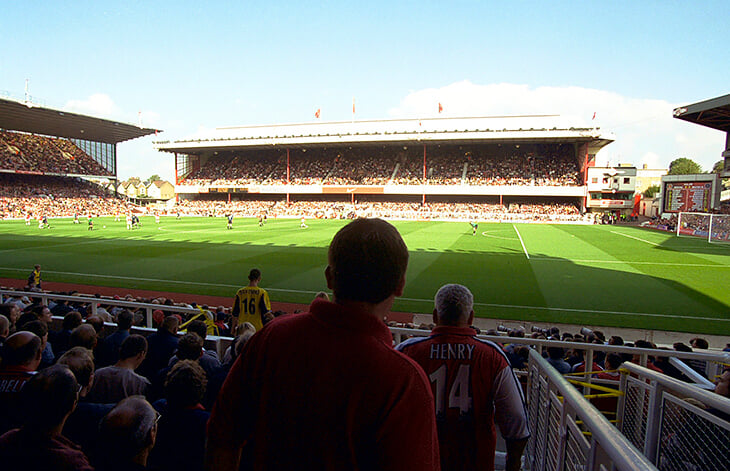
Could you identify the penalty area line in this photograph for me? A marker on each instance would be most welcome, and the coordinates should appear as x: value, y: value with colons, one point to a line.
x: 521, y: 242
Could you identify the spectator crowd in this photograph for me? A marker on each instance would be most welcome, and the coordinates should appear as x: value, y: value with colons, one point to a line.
x: 31, y: 153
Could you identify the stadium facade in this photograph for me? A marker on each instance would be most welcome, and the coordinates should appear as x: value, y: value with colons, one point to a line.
x: 405, y: 144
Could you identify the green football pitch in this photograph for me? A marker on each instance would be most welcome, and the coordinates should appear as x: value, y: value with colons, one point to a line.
x: 594, y: 275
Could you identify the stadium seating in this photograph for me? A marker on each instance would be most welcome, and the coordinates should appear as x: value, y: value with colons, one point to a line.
x: 31, y: 153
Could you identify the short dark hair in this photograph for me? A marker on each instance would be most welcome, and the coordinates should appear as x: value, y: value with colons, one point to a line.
x: 83, y: 336
x: 556, y: 353
x: 125, y: 319
x: 25, y: 318
x: 72, y: 320
x: 81, y: 363
x: 367, y: 259
x: 189, y: 347
x: 254, y: 274
x: 48, y: 396
x: 37, y: 327
x: 700, y: 343
x: 198, y: 327
x: 132, y: 346
x: 185, y: 384
x: 613, y: 361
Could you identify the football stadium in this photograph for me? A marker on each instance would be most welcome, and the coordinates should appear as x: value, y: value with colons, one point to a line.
x: 555, y: 250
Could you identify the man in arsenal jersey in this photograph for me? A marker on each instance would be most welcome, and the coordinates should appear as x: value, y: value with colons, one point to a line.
x: 473, y: 387
x: 251, y: 303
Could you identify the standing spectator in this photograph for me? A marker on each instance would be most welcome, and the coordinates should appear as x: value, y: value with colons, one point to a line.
x: 48, y: 400
x: 473, y: 384
x: 127, y: 435
x: 162, y: 346
x: 350, y: 402
x: 114, y: 383
x: 251, y: 303
x: 34, y: 279
x: 21, y: 357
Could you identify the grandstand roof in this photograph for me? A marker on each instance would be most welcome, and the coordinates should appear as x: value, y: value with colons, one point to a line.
x: 493, y: 129
x: 18, y: 116
x: 713, y: 113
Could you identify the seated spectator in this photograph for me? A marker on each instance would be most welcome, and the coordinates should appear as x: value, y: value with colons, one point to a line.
x: 12, y: 312
x: 48, y: 400
x: 650, y: 360
x: 556, y: 357
x: 4, y: 332
x: 580, y: 367
x: 60, y: 339
x: 21, y: 357
x: 700, y: 366
x: 109, y: 347
x: 114, y: 383
x: 162, y: 345
x: 181, y: 433
x: 83, y: 336
x: 41, y: 330
x: 127, y: 435
x: 615, y: 340
x: 83, y: 424
x: 613, y: 362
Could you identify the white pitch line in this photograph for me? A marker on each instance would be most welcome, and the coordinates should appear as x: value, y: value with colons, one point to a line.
x: 636, y: 238
x: 503, y: 306
x: 590, y: 311
x: 521, y: 242
x: 624, y: 262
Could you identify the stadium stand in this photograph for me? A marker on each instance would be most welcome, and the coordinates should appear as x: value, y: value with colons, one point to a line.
x: 33, y: 153
x: 54, y: 196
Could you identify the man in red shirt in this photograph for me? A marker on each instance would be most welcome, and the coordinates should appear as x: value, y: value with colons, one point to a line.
x: 473, y: 385
x: 21, y: 356
x: 325, y: 389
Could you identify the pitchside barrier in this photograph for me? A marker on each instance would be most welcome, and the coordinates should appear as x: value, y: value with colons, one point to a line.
x: 676, y: 425
x: 567, y: 432
x: 713, y: 227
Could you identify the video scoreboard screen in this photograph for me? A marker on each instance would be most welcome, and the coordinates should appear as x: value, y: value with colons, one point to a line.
x: 687, y: 196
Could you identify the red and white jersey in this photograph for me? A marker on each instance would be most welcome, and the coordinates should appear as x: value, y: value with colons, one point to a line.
x: 473, y: 387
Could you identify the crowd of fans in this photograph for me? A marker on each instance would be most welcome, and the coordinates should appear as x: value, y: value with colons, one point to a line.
x: 314, y: 209
x: 32, y: 153
x: 361, y: 166
x: 171, y: 377
x: 52, y: 196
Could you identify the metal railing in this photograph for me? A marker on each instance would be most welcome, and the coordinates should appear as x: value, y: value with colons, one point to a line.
x: 678, y: 426
x: 567, y: 432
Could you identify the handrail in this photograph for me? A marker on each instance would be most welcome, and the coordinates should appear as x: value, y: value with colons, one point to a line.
x: 95, y: 302
x: 620, y: 451
x: 684, y: 389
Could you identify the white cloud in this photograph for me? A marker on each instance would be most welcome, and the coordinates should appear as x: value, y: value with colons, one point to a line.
x: 645, y: 129
x: 98, y: 105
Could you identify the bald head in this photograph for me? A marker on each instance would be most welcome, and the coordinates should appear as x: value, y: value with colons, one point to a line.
x: 22, y: 349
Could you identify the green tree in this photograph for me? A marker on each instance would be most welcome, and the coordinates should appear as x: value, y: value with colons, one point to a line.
x: 684, y: 166
x: 153, y: 178
x: 652, y: 191
x: 718, y: 167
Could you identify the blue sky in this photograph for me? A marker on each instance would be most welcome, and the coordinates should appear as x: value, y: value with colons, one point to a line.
x: 189, y: 66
